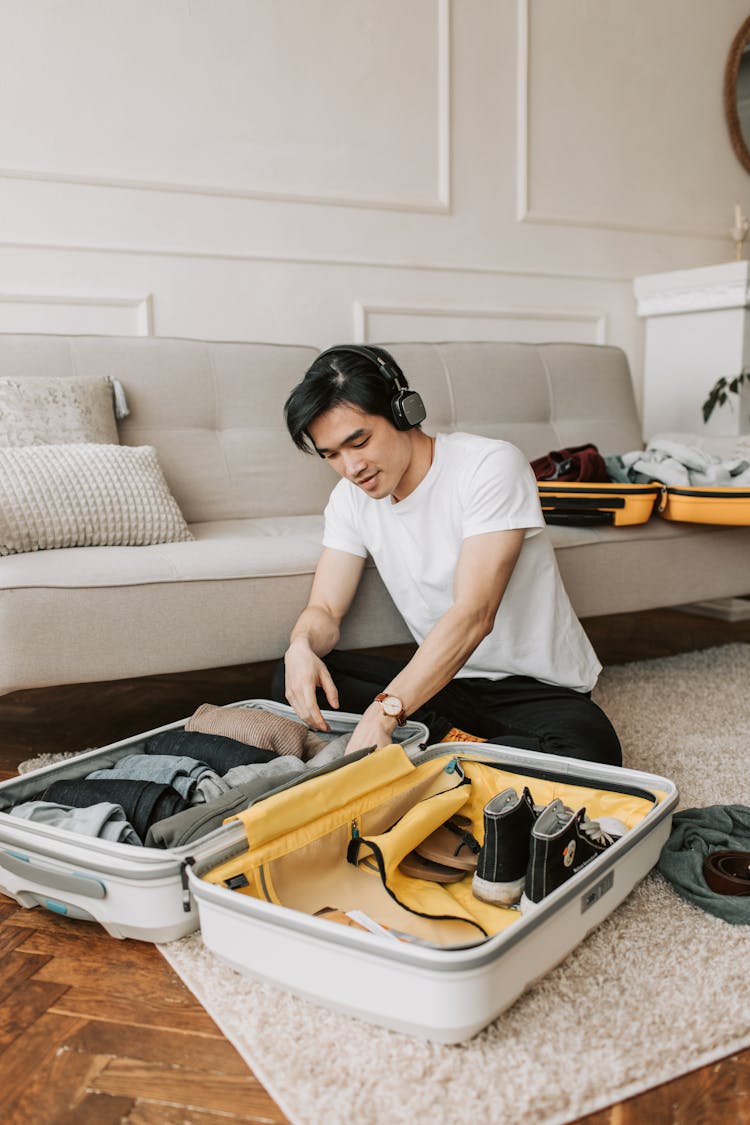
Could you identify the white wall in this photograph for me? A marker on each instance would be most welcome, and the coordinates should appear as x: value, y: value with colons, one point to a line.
x: 322, y: 170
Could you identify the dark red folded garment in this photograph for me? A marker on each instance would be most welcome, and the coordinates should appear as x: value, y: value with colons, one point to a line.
x: 580, y: 462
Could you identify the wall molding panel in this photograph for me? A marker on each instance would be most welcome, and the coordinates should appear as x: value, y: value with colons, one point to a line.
x: 524, y: 211
x: 439, y: 204
x: 79, y: 313
x: 512, y: 322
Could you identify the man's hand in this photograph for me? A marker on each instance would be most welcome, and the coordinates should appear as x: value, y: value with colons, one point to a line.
x: 305, y: 673
x: 373, y: 729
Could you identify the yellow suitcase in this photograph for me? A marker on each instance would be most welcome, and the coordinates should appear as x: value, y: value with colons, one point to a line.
x: 701, y: 504
x: 581, y: 503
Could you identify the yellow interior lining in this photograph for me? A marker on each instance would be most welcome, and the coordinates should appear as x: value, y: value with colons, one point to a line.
x: 298, y: 839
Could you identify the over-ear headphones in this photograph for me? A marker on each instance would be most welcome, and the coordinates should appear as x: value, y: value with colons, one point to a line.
x: 407, y: 407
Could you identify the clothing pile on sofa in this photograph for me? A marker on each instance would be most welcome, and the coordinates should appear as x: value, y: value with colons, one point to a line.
x: 673, y: 463
x: 186, y: 782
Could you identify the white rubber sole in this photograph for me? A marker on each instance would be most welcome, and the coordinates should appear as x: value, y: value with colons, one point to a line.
x: 498, y: 894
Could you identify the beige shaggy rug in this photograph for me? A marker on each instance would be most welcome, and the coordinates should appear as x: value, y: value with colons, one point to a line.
x: 653, y: 993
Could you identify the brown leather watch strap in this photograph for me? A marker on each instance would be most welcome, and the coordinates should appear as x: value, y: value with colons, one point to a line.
x: 400, y: 716
x: 728, y: 873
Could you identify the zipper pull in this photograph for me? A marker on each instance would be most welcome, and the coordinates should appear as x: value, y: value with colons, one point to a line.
x: 454, y: 766
x: 663, y: 497
x: 187, y: 862
x: 352, y: 852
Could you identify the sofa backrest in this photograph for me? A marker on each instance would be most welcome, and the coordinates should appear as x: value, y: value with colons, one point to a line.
x: 214, y: 411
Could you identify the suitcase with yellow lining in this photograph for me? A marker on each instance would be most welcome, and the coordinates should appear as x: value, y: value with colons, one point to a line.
x: 701, y: 504
x: 583, y: 503
x: 437, y: 962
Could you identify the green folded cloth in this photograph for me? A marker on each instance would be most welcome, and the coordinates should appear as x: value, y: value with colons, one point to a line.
x: 695, y: 834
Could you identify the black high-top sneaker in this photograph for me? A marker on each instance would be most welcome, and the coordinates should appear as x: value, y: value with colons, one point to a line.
x: 504, y: 856
x: 562, y: 842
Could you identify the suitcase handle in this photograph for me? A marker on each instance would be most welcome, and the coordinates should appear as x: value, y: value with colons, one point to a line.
x: 74, y: 882
x: 594, y: 502
x: 577, y: 518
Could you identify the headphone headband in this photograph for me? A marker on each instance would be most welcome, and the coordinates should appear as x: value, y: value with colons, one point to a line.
x: 389, y: 370
x: 407, y: 407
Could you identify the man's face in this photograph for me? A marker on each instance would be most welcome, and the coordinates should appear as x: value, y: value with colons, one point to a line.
x: 367, y: 449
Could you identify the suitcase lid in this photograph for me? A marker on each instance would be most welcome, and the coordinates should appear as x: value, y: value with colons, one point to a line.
x: 485, y: 950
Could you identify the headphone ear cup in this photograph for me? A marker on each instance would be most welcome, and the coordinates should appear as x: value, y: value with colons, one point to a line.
x: 408, y: 409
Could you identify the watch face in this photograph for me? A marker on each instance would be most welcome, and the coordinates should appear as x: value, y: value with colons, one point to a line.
x: 392, y: 706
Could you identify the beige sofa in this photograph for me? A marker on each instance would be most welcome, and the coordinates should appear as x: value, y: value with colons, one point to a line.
x: 214, y: 413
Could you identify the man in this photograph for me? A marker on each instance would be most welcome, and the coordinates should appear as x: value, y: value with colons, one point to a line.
x: 455, y: 529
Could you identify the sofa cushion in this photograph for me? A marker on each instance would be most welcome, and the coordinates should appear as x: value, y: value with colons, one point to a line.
x: 49, y: 410
x: 229, y: 597
x: 232, y: 595
x: 84, y: 494
x: 645, y: 566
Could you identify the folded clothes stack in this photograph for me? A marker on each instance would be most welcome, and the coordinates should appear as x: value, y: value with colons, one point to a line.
x: 185, y: 782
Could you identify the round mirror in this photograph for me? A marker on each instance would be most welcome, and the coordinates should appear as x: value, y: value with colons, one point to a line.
x: 737, y: 94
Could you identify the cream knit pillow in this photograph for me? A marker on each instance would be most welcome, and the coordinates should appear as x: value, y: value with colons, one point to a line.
x: 85, y: 495
x: 45, y: 410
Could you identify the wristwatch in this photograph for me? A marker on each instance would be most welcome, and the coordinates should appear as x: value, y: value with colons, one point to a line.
x: 392, y: 707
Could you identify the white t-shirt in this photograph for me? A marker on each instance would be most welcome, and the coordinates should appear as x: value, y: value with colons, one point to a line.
x: 475, y: 485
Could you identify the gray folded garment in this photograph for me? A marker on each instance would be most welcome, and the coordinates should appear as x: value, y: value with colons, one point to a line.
x: 695, y: 834
x: 193, y: 823
x: 104, y: 820
x: 280, y: 768
x: 332, y: 750
x: 286, y: 767
x: 209, y: 787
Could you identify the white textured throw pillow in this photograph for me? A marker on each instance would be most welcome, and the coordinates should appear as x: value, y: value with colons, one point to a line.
x: 44, y: 410
x: 85, y: 495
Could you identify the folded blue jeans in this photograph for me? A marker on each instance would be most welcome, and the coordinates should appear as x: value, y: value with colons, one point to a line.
x: 143, y: 802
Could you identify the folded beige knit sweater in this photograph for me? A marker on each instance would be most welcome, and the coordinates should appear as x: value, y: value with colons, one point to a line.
x: 255, y: 727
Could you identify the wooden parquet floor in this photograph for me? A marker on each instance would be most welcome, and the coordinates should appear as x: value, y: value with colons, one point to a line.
x: 95, y: 1031
x: 98, y: 1030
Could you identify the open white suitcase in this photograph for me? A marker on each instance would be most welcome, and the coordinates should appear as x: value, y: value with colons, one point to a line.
x: 443, y: 993
x: 133, y: 892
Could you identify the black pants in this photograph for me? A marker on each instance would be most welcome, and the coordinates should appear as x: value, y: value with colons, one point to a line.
x: 517, y: 710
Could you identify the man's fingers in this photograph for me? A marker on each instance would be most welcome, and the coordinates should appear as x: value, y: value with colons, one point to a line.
x: 306, y: 706
x: 316, y: 720
x: 329, y: 687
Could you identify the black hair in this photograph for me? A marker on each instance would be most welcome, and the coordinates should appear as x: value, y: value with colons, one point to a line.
x: 333, y: 379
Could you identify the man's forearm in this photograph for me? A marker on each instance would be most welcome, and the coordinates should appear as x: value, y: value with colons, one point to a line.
x: 318, y: 628
x: 443, y: 652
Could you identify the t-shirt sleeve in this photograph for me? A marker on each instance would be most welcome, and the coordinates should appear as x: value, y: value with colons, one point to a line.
x: 341, y: 530
x: 501, y: 494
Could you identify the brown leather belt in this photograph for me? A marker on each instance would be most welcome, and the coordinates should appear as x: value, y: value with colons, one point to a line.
x: 728, y: 873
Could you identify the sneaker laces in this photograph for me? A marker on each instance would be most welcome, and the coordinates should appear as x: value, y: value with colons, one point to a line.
x: 604, y: 831
x: 556, y: 814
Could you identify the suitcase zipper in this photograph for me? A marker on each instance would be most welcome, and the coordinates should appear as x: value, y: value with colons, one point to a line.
x: 700, y: 492
x: 547, y: 489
